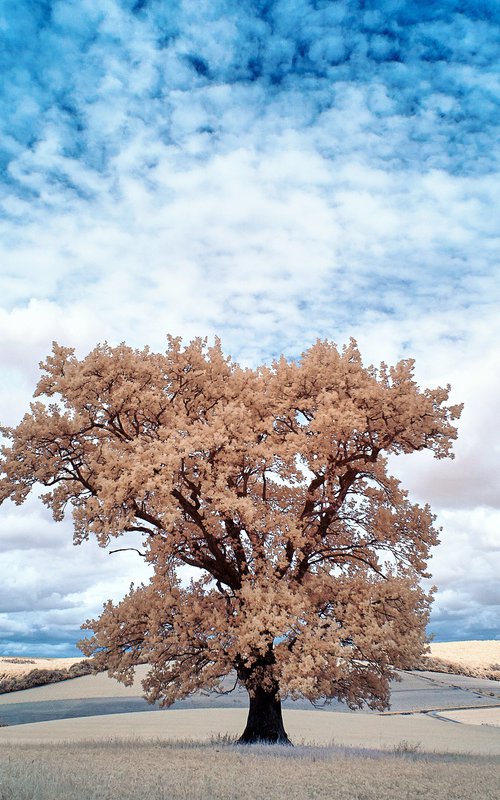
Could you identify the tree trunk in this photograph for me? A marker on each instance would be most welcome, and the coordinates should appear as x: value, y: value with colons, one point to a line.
x: 265, y: 722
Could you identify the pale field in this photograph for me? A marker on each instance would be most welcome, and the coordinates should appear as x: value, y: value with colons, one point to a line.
x: 183, y: 754
x: 473, y: 716
x: 99, y: 685
x: 427, y: 733
x: 20, y: 665
x: 480, y: 655
x: 218, y: 771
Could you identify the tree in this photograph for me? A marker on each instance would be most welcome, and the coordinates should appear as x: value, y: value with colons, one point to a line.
x: 273, y: 483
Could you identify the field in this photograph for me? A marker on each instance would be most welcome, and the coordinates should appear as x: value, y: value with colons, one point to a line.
x: 469, y: 658
x: 472, y: 657
x: 189, y: 754
x: 218, y: 771
x: 18, y: 665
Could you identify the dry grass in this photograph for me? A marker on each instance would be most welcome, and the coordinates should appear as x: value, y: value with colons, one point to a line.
x: 482, y: 654
x: 474, y: 658
x: 310, y: 727
x: 25, y: 677
x: 220, y: 771
x: 18, y: 665
x: 479, y: 659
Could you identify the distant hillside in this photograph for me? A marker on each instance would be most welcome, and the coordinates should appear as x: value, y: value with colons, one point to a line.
x: 25, y: 673
x: 479, y: 659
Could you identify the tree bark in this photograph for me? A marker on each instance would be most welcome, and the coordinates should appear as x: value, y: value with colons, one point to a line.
x: 265, y: 722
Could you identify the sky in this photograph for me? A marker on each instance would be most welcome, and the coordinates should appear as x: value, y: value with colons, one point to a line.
x: 272, y: 173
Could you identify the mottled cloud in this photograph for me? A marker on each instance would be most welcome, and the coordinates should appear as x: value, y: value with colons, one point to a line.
x: 272, y: 173
x: 49, y: 587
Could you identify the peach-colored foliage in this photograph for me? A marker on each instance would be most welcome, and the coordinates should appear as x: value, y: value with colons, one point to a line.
x: 273, y: 482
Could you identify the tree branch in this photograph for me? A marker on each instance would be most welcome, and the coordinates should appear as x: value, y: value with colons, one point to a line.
x: 123, y: 549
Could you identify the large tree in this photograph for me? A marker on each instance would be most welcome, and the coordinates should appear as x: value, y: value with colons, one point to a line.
x: 273, y: 483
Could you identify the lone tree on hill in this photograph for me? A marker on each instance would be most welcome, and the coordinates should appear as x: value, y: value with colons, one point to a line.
x: 273, y: 483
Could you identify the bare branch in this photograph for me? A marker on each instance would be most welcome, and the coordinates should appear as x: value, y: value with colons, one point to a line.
x: 124, y: 549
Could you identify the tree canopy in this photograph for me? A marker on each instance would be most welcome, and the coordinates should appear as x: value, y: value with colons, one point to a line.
x: 273, y: 483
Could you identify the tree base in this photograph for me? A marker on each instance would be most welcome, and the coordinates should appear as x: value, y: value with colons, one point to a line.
x: 251, y: 739
x: 265, y: 721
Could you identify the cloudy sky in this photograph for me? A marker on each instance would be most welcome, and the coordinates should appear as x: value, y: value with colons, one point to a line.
x: 272, y: 172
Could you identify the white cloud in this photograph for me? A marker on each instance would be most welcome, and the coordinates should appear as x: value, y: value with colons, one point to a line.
x: 50, y: 587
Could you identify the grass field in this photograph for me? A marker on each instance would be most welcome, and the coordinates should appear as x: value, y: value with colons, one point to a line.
x: 477, y: 658
x: 220, y: 771
x: 19, y: 665
x: 85, y: 758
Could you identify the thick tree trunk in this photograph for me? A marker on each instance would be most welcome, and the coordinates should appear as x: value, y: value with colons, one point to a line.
x: 265, y: 722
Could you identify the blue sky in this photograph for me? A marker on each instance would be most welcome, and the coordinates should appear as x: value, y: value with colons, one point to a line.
x: 271, y: 172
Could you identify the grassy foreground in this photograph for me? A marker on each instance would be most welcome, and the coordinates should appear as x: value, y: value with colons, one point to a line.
x: 120, y: 770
